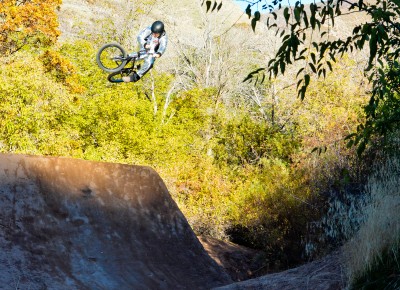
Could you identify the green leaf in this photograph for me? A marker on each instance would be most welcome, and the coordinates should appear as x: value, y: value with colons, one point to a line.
x: 300, y: 58
x: 314, y: 149
x: 356, y: 29
x: 373, y: 44
x: 361, y: 148
x: 253, y: 24
x: 282, y: 65
x: 299, y: 83
x: 208, y: 5
x: 299, y: 72
x: 286, y: 14
x: 214, y: 6
x: 306, y: 80
x: 248, y: 10
x: 319, y: 150
x: 275, y: 69
x: 350, y: 136
x: 305, y: 19
x: 331, y: 14
x: 263, y: 78
x: 350, y: 143
x: 251, y: 75
x: 312, y: 67
x: 297, y: 12
x: 313, y: 21
x: 313, y: 57
x: 302, y: 92
x: 271, y: 61
x: 329, y: 65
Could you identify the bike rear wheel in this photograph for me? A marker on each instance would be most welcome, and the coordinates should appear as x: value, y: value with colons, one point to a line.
x: 111, y: 57
x: 116, y: 77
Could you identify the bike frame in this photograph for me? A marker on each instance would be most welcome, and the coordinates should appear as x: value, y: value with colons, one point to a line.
x: 129, y: 66
x: 131, y: 59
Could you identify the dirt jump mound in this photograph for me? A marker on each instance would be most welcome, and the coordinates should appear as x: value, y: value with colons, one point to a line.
x: 74, y: 224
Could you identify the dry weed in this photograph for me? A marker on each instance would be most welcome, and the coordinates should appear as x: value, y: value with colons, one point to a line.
x: 380, y: 231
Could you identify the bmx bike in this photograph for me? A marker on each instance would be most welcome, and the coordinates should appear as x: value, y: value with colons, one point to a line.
x: 112, y: 58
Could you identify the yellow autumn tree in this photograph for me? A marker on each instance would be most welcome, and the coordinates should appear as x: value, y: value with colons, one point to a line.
x: 25, y: 22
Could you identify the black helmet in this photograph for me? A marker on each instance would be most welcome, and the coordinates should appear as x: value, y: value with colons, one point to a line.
x: 157, y: 27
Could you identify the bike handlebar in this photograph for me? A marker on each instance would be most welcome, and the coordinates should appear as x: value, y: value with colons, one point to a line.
x: 141, y: 54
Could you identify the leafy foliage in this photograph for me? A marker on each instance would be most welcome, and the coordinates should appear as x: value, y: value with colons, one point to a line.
x: 244, y: 141
x: 307, y: 38
x: 62, y: 69
x: 27, y: 22
x: 35, y: 112
x: 215, y: 5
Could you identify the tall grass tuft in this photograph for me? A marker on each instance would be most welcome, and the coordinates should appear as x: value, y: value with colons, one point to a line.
x: 372, y: 255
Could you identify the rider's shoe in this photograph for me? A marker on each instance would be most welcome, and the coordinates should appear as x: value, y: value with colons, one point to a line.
x: 134, y: 77
x: 126, y: 79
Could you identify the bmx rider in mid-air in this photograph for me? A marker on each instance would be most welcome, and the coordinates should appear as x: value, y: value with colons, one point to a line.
x: 154, y: 40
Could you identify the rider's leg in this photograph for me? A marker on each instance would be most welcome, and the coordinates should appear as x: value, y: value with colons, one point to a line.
x: 146, y: 66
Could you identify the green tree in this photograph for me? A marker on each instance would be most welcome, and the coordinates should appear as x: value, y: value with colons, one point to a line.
x: 35, y: 111
x: 27, y: 21
x: 306, y: 37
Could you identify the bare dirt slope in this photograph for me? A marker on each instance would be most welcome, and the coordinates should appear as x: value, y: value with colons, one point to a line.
x: 324, y: 274
x: 241, y: 263
x: 74, y: 224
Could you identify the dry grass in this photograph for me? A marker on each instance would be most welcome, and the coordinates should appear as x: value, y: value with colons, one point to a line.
x: 380, y: 231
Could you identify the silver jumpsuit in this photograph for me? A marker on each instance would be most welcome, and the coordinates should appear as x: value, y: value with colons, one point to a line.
x: 157, y: 45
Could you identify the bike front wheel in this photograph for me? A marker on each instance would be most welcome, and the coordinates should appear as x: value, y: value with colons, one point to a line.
x: 111, y: 57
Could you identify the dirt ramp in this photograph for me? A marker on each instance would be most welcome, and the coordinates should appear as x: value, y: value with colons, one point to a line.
x: 74, y: 224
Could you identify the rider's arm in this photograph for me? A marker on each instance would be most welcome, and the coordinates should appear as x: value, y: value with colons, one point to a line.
x: 163, y: 44
x: 142, y: 37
